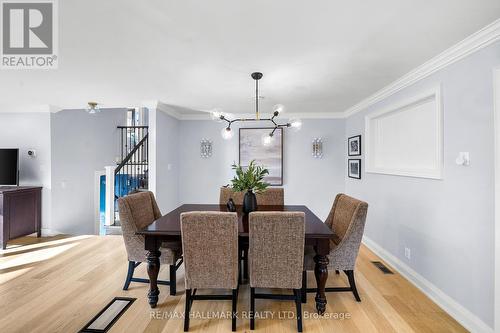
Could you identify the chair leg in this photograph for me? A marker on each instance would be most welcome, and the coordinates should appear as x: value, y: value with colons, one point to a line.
x: 245, y: 264
x: 352, y: 283
x: 252, y: 308
x: 298, y: 305
x: 234, y: 314
x: 303, y: 291
x: 240, y: 275
x: 173, y: 280
x: 187, y: 309
x: 130, y: 274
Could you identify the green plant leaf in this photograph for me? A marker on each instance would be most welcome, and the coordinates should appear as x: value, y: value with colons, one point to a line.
x: 250, y: 179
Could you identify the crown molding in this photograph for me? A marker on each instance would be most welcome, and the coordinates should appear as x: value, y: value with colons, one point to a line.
x: 54, y: 108
x: 475, y: 42
x: 151, y: 104
x: 35, y: 108
x: 205, y: 115
x: 43, y: 108
x: 316, y: 115
x: 158, y: 105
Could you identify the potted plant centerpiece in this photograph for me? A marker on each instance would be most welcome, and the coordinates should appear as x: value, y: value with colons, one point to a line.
x: 250, y: 180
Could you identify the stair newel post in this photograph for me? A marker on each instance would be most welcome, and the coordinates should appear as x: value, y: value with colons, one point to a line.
x: 109, y: 218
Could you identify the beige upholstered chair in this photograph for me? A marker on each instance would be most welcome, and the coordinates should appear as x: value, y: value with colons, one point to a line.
x: 276, y: 255
x: 347, y: 220
x: 137, y: 211
x: 273, y: 196
x: 210, y: 246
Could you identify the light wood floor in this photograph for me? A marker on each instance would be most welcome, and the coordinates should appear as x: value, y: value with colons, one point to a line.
x: 58, y: 284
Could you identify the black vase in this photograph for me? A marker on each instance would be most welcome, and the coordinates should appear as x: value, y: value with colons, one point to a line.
x: 249, y: 202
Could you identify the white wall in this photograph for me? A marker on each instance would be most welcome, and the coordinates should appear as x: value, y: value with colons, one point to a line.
x: 448, y: 224
x: 497, y: 197
x: 164, y: 161
x: 309, y: 181
x: 31, y: 131
x: 81, y: 144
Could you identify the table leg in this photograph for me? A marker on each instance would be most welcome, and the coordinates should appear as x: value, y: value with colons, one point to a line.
x: 321, y: 274
x: 153, y: 270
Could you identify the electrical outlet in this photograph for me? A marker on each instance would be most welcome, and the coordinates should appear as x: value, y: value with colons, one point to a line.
x: 408, y: 253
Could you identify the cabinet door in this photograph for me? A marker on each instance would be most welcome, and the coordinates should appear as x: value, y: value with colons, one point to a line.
x: 22, y: 213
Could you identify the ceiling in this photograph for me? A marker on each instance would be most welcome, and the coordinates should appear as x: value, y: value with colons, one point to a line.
x: 316, y: 56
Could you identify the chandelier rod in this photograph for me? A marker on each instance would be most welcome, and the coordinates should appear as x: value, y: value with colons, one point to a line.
x: 257, y: 98
x: 230, y: 122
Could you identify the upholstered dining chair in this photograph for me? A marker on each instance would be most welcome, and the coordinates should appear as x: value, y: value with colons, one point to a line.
x: 347, y: 220
x: 273, y: 196
x: 276, y: 255
x: 210, y: 247
x: 137, y: 211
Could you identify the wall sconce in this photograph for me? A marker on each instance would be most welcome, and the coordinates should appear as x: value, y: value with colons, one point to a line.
x: 205, y: 148
x: 317, y: 148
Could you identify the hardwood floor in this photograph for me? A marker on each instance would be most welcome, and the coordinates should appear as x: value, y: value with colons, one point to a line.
x: 58, y: 284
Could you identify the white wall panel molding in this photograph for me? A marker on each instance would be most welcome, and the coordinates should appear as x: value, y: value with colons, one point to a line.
x: 406, y: 139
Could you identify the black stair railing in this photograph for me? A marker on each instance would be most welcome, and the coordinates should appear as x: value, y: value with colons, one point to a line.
x: 131, y: 174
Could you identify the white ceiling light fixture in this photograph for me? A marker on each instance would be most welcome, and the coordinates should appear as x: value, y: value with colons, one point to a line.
x: 227, y: 133
x: 93, y: 108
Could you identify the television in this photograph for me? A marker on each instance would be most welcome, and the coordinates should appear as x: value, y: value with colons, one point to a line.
x: 9, y: 167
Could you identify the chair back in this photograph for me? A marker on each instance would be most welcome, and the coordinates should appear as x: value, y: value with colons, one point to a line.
x: 273, y: 196
x: 137, y: 211
x: 210, y: 249
x: 227, y: 193
x: 276, y: 250
x: 347, y: 219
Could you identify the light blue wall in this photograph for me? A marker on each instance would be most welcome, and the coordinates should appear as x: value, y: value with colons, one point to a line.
x: 81, y: 144
x: 167, y: 161
x: 449, y: 223
x: 309, y: 181
x: 28, y: 130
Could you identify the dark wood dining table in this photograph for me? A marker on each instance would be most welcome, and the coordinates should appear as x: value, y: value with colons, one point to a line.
x: 168, y: 229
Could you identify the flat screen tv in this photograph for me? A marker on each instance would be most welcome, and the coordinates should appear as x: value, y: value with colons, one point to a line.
x: 9, y: 167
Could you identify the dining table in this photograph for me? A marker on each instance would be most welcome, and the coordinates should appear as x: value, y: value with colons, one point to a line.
x: 168, y: 229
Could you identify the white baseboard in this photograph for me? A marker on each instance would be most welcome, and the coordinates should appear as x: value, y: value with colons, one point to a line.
x: 466, y: 318
x: 50, y: 232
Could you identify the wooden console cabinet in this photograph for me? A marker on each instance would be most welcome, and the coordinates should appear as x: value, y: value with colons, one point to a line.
x: 20, y: 212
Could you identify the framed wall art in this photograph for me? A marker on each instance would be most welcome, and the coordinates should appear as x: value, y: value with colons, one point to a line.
x: 354, y: 168
x: 269, y: 156
x: 354, y: 146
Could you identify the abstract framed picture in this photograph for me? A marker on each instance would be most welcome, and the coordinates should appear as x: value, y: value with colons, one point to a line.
x: 269, y: 156
x: 354, y: 168
x: 354, y: 145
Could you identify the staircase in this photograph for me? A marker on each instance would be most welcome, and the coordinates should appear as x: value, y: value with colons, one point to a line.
x: 131, y: 174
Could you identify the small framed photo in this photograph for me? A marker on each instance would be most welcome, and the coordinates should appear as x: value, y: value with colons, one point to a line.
x: 354, y: 168
x: 354, y: 145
